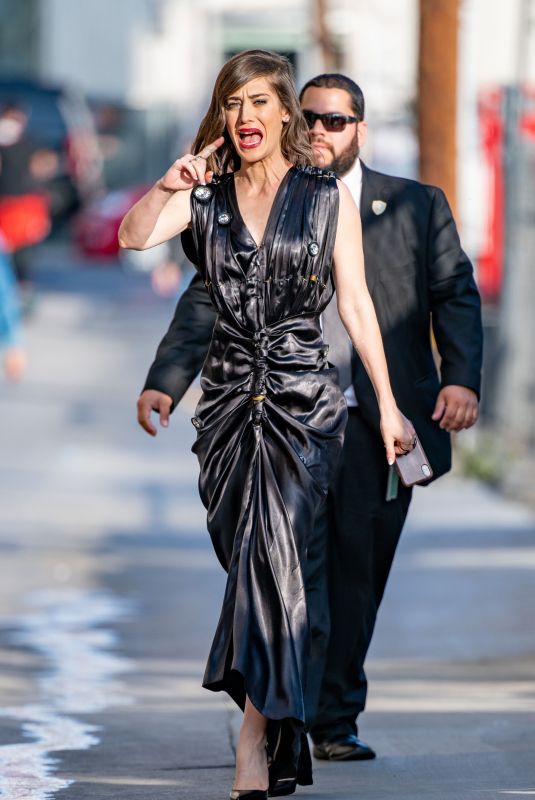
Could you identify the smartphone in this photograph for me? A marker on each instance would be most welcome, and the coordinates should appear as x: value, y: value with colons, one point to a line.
x: 414, y: 467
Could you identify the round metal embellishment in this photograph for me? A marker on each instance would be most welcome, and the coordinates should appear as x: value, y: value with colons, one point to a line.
x: 313, y: 248
x: 224, y: 218
x: 202, y: 193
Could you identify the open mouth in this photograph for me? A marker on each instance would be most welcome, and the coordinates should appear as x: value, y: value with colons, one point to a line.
x: 250, y: 138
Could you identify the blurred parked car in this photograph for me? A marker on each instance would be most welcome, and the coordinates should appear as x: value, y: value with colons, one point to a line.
x: 97, y: 225
x: 59, y: 118
x: 95, y: 233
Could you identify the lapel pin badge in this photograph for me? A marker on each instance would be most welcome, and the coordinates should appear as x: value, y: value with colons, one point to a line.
x: 378, y: 206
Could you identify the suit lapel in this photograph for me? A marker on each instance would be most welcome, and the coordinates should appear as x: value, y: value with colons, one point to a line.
x: 373, y: 188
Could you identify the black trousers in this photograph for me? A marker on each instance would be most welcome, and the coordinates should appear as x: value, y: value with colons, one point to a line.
x: 357, y: 533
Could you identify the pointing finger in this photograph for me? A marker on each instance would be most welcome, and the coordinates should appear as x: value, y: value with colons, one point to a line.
x: 207, y: 151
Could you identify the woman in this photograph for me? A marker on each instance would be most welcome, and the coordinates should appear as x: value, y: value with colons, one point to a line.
x: 267, y: 227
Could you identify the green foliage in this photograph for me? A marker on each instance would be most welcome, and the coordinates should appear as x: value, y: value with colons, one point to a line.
x: 483, y: 456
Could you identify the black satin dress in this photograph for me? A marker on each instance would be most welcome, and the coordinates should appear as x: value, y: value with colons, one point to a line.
x: 270, y: 426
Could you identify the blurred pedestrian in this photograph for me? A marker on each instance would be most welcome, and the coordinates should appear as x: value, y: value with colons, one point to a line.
x: 420, y: 281
x: 13, y: 355
x: 163, y: 262
x: 271, y: 418
x: 25, y: 165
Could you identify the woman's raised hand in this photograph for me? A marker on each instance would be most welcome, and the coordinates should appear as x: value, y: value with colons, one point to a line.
x: 190, y: 170
x: 164, y: 211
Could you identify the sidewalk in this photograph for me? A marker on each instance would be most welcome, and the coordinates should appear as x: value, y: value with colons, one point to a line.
x: 110, y: 592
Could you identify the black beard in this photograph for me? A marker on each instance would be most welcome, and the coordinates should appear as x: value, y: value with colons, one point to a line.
x: 343, y: 163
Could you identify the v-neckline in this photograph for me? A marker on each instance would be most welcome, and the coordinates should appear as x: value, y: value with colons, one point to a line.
x: 274, y: 204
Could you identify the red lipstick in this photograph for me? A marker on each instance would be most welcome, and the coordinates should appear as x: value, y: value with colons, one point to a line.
x: 250, y: 138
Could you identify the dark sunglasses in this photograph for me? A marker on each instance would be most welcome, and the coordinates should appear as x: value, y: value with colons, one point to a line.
x: 331, y: 122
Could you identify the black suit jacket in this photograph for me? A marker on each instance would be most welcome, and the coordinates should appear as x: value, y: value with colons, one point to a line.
x: 421, y: 282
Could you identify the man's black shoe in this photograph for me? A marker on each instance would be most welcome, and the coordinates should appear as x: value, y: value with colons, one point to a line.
x: 343, y: 748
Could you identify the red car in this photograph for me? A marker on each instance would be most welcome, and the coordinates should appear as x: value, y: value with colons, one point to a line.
x: 96, y: 227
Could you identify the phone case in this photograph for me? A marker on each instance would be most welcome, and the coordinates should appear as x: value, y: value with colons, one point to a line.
x: 414, y: 467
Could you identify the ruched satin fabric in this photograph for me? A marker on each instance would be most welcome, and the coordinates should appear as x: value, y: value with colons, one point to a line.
x: 269, y: 425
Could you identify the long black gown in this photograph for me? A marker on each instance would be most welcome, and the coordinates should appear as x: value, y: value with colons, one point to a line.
x: 269, y: 425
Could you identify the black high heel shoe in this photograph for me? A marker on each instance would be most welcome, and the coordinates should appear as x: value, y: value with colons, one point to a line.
x: 289, y: 759
x: 281, y: 787
x: 249, y: 794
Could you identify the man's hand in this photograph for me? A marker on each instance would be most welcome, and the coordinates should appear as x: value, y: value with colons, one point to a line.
x: 457, y: 408
x: 151, y: 400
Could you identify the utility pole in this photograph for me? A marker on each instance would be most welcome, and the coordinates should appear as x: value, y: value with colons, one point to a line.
x: 437, y: 95
x: 329, y: 53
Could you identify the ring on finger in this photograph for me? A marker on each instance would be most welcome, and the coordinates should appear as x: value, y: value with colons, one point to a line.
x: 407, y: 448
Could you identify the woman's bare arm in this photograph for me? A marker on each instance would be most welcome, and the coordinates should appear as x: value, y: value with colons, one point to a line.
x: 164, y: 211
x: 358, y: 315
x: 158, y: 216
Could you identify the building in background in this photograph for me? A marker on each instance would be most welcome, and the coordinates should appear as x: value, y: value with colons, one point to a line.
x: 148, y: 66
x: 163, y: 55
x: 156, y: 61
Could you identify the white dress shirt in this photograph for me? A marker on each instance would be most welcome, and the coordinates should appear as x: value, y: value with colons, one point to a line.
x: 353, y: 181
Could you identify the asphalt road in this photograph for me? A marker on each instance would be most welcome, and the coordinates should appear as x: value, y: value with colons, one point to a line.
x: 109, y: 593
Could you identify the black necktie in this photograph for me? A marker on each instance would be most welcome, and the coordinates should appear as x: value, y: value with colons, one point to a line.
x: 340, y: 347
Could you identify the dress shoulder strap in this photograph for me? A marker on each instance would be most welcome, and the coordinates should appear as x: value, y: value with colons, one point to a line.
x: 320, y: 196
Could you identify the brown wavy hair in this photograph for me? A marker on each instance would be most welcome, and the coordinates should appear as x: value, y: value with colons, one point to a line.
x: 239, y: 70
